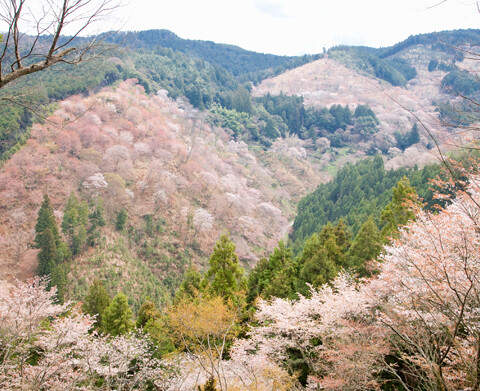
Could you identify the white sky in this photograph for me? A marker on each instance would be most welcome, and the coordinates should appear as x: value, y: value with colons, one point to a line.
x: 295, y: 27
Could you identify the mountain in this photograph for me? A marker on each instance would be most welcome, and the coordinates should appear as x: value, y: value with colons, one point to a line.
x: 181, y: 181
x: 187, y: 152
x: 234, y: 59
x: 350, y: 76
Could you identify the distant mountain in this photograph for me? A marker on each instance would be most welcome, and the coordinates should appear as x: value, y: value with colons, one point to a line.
x: 236, y: 60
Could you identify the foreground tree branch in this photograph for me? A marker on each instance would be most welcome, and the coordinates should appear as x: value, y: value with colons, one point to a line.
x: 35, y: 38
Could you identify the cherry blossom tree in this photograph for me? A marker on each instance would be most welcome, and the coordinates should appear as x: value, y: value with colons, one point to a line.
x: 317, y: 329
x: 430, y: 293
x: 202, y: 220
x: 44, y: 347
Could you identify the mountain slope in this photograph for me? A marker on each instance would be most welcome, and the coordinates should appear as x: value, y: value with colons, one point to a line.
x: 234, y: 59
x: 181, y: 181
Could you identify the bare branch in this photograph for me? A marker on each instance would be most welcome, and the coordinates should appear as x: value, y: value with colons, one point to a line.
x: 24, y: 54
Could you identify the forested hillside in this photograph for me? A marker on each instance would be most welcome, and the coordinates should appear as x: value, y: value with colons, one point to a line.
x: 168, y: 184
x: 358, y: 191
x: 189, y: 216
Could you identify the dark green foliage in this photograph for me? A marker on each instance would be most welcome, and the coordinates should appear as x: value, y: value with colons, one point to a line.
x: 53, y: 251
x: 366, y: 246
x: 342, y: 115
x: 181, y: 75
x: 60, y: 280
x: 384, y: 64
x: 238, y: 100
x: 289, y: 108
x: 14, y: 123
x: 96, y: 220
x: 394, y: 70
x: 74, y: 223
x: 273, y: 277
x: 462, y: 113
x: 365, y: 111
x: 298, y: 118
x: 96, y: 302
x: 365, y: 120
x: 208, y: 386
x: 224, y: 276
x: 47, y: 256
x: 46, y: 219
x: 466, y: 85
x: 408, y: 139
x: 117, y: 317
x: 121, y: 220
x: 356, y: 192
x: 232, y: 58
x: 445, y: 41
x: 460, y: 82
x: 323, y: 256
x: 433, y: 65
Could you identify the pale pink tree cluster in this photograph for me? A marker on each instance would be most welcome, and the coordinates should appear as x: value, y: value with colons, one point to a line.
x: 243, y: 372
x: 430, y: 290
x: 46, y: 346
x: 202, y: 220
x: 318, y: 328
x: 423, y: 308
x: 95, y: 183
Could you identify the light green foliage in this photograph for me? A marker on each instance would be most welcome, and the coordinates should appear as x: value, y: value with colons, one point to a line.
x: 191, y: 285
x: 356, y: 192
x: 241, y: 124
x: 323, y: 256
x: 366, y: 246
x: 148, y: 312
x: 224, y: 276
x: 117, y: 318
x: 74, y: 224
x: 399, y: 211
x: 96, y: 302
x: 273, y: 277
x: 154, y: 324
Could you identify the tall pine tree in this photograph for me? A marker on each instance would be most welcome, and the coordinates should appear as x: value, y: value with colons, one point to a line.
x: 399, y: 211
x: 117, y: 318
x: 47, y: 256
x: 97, y: 301
x: 366, y: 246
x: 224, y: 276
x: 46, y: 219
x: 74, y: 223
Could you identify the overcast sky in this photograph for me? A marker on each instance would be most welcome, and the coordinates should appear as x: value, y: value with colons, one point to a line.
x: 295, y: 27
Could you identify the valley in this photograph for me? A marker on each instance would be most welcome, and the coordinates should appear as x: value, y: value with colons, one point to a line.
x: 179, y: 214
